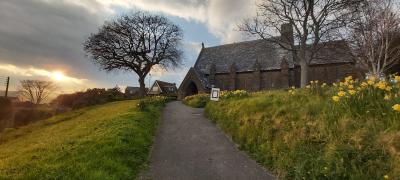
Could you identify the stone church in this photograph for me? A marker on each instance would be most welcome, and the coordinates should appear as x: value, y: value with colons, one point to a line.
x: 261, y: 65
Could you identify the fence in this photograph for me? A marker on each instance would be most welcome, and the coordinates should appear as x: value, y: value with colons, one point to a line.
x: 4, y: 84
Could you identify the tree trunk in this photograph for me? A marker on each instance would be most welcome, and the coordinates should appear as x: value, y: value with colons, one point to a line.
x: 303, y: 74
x: 142, y: 90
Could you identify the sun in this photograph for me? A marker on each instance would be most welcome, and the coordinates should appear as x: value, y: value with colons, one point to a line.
x: 58, y: 76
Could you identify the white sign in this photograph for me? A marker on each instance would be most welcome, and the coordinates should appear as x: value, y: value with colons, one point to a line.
x: 215, y: 94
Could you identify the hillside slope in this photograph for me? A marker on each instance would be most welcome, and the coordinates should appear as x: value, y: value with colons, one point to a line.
x: 109, y: 141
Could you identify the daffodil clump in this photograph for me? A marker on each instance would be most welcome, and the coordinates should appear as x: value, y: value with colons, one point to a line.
x: 372, y: 96
x: 234, y: 94
x: 197, y: 100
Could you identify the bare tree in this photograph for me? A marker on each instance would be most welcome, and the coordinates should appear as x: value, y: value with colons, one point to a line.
x: 313, y: 21
x: 136, y: 43
x: 375, y: 36
x: 36, y: 91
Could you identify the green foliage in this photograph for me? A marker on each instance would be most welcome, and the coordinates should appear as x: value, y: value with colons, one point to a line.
x: 308, y: 135
x: 197, y: 101
x: 89, y: 97
x: 110, y: 141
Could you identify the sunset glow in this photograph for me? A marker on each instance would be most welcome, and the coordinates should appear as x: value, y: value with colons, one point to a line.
x: 58, y: 76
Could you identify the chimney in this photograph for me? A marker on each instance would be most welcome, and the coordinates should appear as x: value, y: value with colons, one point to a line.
x: 287, y: 33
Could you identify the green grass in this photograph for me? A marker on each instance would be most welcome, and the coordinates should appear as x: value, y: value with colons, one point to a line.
x: 110, y: 141
x: 197, y: 101
x: 305, y: 135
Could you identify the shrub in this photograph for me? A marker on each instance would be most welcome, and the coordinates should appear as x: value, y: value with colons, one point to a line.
x: 88, y: 98
x: 24, y: 116
x: 5, y: 108
x: 197, y: 100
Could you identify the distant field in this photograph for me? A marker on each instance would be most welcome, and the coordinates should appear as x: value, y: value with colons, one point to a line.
x: 109, y: 141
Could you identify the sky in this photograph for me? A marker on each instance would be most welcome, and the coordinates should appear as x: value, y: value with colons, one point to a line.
x: 43, y: 39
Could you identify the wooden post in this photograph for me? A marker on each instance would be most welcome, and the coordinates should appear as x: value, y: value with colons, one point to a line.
x: 7, y: 84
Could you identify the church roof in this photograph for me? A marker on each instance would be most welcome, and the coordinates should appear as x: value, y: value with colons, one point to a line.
x: 268, y: 55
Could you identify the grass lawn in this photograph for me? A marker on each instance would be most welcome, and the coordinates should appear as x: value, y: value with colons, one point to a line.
x: 110, y: 141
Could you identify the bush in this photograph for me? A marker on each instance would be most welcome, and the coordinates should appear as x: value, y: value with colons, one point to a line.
x: 143, y: 104
x: 25, y: 116
x: 5, y: 108
x: 311, y: 134
x: 88, y: 98
x: 197, y: 101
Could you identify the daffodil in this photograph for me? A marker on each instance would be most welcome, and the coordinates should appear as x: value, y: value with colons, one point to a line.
x: 348, y: 78
x: 370, y: 82
x: 364, y: 84
x: 335, y: 98
x: 396, y: 107
x: 350, y: 86
x: 386, y: 177
x: 308, y: 86
x: 387, y: 97
x: 341, y: 93
x: 323, y: 85
x: 388, y: 88
x: 381, y: 85
x: 352, y: 92
x: 397, y: 78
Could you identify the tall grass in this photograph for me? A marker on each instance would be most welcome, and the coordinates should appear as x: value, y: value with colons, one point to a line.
x: 109, y: 141
x: 346, y: 131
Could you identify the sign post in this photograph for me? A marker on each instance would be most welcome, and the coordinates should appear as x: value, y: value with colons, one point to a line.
x: 215, y: 94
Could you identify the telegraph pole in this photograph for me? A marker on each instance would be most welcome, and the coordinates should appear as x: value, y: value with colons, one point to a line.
x: 7, y: 84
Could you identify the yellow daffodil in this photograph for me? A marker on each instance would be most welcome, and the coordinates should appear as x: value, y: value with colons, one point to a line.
x: 385, y: 177
x: 311, y: 82
x: 308, y: 86
x: 341, y: 93
x: 350, y: 86
x: 348, y: 78
x: 334, y: 84
x: 381, y: 85
x: 371, y: 82
x: 364, y: 84
x: 352, y: 92
x: 335, y: 98
x: 316, y: 81
x: 293, y: 87
x: 387, y: 97
x: 323, y: 85
x: 396, y: 107
x: 358, y: 88
x: 397, y: 78
x: 388, y: 88
x: 340, y: 88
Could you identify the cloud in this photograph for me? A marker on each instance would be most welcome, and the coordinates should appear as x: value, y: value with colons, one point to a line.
x: 220, y: 16
x: 63, y: 80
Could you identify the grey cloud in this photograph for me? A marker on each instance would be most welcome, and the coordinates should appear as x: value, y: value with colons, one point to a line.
x: 40, y: 33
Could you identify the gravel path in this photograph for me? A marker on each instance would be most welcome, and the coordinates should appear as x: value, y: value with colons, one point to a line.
x: 188, y: 146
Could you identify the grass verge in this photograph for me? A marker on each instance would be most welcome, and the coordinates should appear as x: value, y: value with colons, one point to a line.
x: 312, y: 134
x: 110, y: 141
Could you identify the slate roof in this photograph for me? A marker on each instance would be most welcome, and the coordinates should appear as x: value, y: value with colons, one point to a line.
x: 268, y: 54
x: 165, y: 86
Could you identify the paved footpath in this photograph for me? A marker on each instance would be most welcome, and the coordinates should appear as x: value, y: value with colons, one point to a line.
x: 189, y: 146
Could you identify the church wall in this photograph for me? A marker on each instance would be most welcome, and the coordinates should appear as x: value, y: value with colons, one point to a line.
x: 275, y: 79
